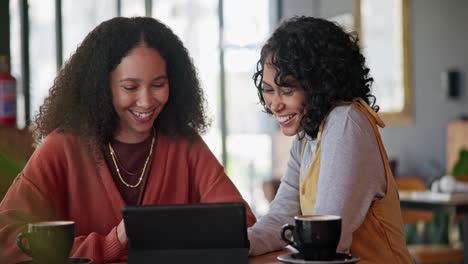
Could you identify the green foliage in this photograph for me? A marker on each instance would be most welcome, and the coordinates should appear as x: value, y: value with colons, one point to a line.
x: 9, y: 169
x: 8, y: 165
x: 461, y: 167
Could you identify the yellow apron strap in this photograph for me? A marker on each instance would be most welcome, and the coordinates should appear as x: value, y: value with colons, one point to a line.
x: 308, y: 184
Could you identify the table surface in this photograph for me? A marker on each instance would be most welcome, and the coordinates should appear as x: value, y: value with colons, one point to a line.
x: 269, y: 258
x: 456, y: 203
x: 434, y: 197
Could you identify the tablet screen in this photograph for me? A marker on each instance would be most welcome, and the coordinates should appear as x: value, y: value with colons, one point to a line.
x: 186, y: 226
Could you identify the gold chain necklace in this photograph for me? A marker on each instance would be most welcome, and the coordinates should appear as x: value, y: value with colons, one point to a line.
x: 122, y: 167
x: 114, y: 159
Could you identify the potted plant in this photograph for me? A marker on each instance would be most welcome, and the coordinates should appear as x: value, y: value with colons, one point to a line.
x: 460, y: 170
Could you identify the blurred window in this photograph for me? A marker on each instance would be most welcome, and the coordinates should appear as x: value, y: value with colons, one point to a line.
x: 16, y: 62
x: 42, y: 51
x: 248, y: 140
x: 196, y: 24
x: 231, y: 53
x: 132, y: 8
x: 80, y: 17
x: 249, y: 130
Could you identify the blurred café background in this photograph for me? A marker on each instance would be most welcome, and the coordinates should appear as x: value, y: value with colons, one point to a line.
x: 417, y: 51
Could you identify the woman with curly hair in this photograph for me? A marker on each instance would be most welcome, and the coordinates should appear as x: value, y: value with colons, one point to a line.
x: 313, y: 79
x: 120, y: 127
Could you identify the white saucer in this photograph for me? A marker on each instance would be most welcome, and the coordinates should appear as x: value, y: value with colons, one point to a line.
x: 298, y: 258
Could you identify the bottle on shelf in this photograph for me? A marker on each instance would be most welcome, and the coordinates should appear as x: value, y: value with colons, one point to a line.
x: 7, y: 93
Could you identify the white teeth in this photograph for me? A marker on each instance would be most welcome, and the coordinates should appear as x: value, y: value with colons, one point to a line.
x: 284, y: 118
x: 141, y: 115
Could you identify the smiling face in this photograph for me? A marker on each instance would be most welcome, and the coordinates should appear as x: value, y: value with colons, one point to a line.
x: 140, y: 89
x: 286, y: 103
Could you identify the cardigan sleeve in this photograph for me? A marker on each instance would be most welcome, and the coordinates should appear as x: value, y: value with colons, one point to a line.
x: 101, y: 248
x: 41, y: 193
x: 23, y: 203
x: 212, y: 181
x: 26, y: 203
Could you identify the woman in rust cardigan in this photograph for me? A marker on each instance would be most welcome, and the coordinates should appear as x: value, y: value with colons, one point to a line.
x: 120, y: 127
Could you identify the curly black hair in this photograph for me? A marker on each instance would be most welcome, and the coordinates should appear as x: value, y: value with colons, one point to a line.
x: 80, y: 100
x: 324, y: 59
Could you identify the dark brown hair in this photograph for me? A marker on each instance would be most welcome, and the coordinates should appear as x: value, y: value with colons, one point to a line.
x: 324, y: 59
x: 80, y: 100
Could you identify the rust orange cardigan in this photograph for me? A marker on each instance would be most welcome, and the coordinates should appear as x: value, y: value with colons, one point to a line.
x: 61, y: 181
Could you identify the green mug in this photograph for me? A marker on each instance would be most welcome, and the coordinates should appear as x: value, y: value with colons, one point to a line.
x: 48, y: 242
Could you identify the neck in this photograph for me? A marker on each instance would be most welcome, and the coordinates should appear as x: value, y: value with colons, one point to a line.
x: 131, y: 138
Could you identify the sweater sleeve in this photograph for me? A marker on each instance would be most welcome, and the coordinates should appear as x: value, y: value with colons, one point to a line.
x: 40, y: 193
x: 100, y: 248
x: 23, y: 203
x: 212, y: 181
x: 351, y: 173
x: 265, y: 236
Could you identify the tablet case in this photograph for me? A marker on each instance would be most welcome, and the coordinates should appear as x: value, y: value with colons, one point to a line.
x: 187, y: 233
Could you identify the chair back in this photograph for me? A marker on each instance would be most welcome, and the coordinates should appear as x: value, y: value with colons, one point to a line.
x: 412, y: 216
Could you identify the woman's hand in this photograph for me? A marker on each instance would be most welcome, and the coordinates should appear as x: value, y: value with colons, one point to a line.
x: 121, y: 234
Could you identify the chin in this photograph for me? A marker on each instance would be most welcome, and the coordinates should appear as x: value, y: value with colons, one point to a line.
x: 289, y: 132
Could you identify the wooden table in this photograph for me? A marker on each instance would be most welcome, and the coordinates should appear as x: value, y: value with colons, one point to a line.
x: 269, y: 258
x: 439, y: 202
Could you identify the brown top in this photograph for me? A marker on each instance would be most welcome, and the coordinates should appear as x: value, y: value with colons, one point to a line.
x: 131, y: 159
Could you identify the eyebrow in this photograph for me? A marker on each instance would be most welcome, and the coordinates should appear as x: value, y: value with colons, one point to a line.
x: 290, y: 83
x: 163, y: 77
x: 267, y: 84
x: 279, y: 87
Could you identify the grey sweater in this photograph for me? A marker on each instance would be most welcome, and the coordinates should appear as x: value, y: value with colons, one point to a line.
x: 352, y: 175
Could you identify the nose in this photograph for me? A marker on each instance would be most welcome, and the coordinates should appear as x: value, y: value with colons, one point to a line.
x: 276, y: 104
x: 145, y: 98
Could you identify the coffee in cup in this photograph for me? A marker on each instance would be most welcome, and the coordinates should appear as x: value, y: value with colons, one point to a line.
x: 315, y: 236
x: 48, y: 242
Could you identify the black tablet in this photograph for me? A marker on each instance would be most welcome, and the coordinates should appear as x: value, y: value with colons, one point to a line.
x: 211, y: 228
